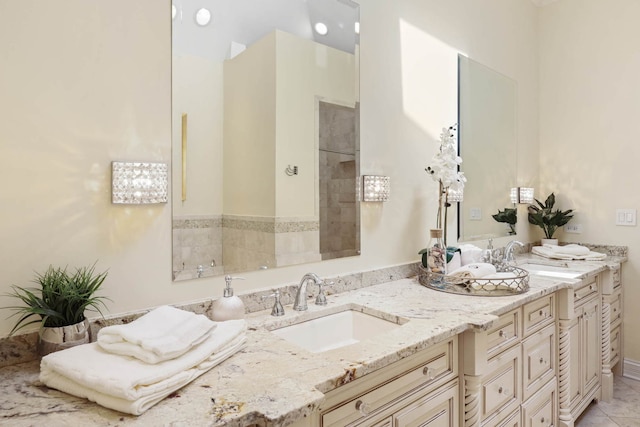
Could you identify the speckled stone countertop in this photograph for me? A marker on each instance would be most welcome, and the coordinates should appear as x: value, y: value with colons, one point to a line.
x: 274, y: 383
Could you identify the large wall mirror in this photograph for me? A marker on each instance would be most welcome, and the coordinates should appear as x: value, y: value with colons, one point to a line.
x: 488, y: 146
x: 265, y: 116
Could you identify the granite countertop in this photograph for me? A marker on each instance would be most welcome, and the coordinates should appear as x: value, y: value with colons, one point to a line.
x: 273, y: 382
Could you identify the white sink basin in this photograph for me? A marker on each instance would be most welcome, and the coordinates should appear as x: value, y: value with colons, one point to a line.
x: 550, y: 271
x: 335, y: 330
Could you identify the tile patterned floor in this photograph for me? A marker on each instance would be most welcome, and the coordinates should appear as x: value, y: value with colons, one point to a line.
x: 623, y: 411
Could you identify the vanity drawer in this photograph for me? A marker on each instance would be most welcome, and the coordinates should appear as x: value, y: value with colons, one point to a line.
x: 616, y: 339
x: 541, y: 410
x: 539, y: 313
x: 438, y: 409
x: 539, y: 353
x: 500, y: 389
x: 582, y: 294
x: 504, y: 333
x: 616, y: 308
x: 512, y: 421
x: 366, y: 398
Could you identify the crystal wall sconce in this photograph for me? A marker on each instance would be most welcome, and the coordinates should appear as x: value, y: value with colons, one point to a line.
x: 135, y: 183
x: 375, y: 188
x: 523, y: 195
x: 454, y: 196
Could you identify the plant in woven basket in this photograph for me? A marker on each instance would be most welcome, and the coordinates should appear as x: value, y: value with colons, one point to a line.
x: 60, y: 299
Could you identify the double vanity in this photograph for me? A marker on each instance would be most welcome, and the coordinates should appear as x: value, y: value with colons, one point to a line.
x: 394, y: 354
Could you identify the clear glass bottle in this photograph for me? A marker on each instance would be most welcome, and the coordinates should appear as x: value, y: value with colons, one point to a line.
x: 436, y: 255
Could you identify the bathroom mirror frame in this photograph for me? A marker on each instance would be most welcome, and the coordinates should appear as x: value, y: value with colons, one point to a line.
x: 246, y: 226
x: 487, y: 138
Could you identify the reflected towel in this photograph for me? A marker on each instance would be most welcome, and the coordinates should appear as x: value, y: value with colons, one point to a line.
x: 141, y: 404
x: 127, y: 378
x: 162, y: 334
x: 570, y: 249
x: 548, y: 253
x: 474, y: 270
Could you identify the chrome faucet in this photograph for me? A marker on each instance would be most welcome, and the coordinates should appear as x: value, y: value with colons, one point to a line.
x: 300, y: 303
x: 508, y: 250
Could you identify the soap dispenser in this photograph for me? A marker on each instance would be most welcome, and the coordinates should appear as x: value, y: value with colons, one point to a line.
x: 229, y: 307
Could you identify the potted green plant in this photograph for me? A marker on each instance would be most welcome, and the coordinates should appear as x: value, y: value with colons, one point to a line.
x: 544, y: 216
x: 58, y: 304
x: 508, y: 216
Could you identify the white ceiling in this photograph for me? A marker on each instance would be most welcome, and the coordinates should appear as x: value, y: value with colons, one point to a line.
x: 246, y: 21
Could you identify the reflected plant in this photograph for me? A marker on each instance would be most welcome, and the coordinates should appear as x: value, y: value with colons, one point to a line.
x: 508, y: 216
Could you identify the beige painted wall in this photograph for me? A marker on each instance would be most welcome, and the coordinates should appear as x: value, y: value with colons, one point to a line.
x: 250, y: 151
x: 84, y: 84
x: 589, y: 104
x: 304, y: 70
x: 197, y: 90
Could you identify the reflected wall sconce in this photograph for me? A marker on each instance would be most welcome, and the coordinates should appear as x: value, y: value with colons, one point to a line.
x: 135, y: 183
x: 454, y: 196
x: 522, y: 195
x: 375, y: 188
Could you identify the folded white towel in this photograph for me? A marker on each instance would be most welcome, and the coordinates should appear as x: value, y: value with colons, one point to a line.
x: 162, y: 334
x: 140, y: 405
x: 570, y: 249
x: 469, y: 253
x: 131, y: 379
x: 548, y: 253
x: 474, y: 270
x: 455, y: 262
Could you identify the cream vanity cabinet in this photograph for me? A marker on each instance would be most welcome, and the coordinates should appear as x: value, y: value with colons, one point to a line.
x: 422, y: 389
x: 579, y: 348
x: 509, y: 371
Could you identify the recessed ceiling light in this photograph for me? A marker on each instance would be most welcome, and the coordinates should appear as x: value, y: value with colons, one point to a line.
x: 203, y: 17
x: 356, y: 27
x: 321, y: 28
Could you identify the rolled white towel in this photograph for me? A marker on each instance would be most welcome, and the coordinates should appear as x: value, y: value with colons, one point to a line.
x: 469, y: 253
x: 474, y: 270
x: 162, y: 334
x: 570, y: 249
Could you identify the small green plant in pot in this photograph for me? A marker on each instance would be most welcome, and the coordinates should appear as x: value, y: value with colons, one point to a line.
x: 58, y: 304
x: 508, y: 216
x: 544, y: 216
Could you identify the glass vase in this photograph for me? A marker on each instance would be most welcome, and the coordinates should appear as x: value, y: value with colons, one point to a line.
x: 436, y: 256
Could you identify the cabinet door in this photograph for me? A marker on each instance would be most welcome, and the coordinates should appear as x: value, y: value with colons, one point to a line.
x: 438, y: 409
x: 539, y: 365
x: 592, y: 345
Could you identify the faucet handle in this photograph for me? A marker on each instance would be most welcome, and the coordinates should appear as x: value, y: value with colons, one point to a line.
x: 321, y: 299
x: 278, y: 309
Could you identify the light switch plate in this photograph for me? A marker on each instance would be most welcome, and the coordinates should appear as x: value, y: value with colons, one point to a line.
x: 475, y: 214
x: 626, y: 217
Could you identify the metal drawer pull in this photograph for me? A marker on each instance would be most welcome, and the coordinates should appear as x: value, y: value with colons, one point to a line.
x: 364, y: 408
x: 503, y: 390
x: 542, y: 360
x: 428, y: 372
x: 503, y: 334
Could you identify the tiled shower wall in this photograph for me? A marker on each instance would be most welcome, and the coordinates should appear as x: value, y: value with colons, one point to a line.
x: 339, y: 169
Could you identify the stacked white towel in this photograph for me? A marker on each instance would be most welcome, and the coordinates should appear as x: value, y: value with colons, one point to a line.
x: 129, y: 384
x: 568, y: 252
x: 162, y: 334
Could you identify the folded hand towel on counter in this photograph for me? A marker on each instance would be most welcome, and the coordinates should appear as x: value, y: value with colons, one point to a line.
x: 549, y: 253
x: 570, y: 249
x: 469, y: 253
x: 131, y: 385
x: 162, y: 334
x: 474, y: 270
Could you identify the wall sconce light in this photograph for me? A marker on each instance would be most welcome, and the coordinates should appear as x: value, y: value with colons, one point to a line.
x: 523, y: 195
x: 375, y: 188
x: 135, y: 183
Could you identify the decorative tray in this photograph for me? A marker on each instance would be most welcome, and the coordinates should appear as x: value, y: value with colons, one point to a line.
x: 508, y: 284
